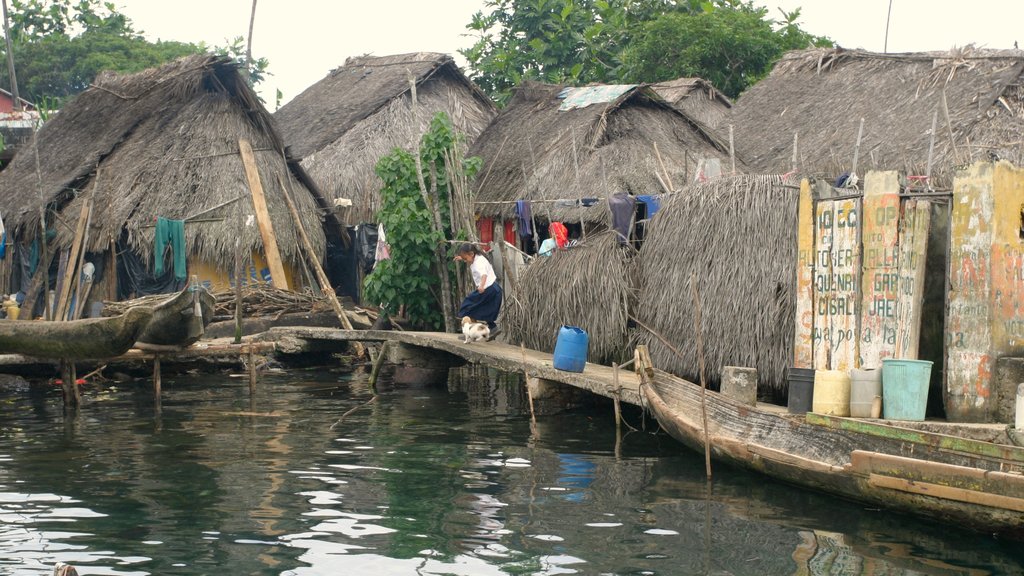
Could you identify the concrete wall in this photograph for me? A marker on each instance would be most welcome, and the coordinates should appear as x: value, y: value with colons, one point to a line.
x: 860, y: 275
x: 985, y: 305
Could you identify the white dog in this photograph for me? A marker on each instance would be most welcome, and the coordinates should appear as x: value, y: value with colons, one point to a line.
x: 473, y: 330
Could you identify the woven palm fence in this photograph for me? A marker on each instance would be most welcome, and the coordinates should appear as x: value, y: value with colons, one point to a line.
x: 735, y: 237
x: 589, y: 286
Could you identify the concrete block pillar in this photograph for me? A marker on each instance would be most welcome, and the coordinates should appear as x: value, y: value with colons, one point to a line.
x: 740, y: 384
x: 985, y: 304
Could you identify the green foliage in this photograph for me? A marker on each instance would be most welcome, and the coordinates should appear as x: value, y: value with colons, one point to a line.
x: 60, y: 46
x: 557, y: 41
x: 732, y: 46
x: 579, y: 41
x: 236, y: 49
x: 410, y: 276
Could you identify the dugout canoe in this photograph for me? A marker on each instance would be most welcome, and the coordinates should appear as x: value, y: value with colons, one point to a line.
x: 180, y: 320
x: 960, y: 481
x: 91, y: 338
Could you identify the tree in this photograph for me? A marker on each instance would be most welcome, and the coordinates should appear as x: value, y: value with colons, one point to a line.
x: 410, y: 277
x: 732, y: 45
x: 61, y: 45
x: 557, y: 41
x: 579, y: 41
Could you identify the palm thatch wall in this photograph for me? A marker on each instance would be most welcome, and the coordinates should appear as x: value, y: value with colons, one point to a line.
x: 697, y: 98
x: 342, y: 125
x: 589, y: 286
x: 736, y: 236
x: 536, y: 151
x: 163, y: 142
x: 821, y: 94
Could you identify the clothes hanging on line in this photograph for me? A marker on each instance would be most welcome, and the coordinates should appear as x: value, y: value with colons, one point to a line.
x: 170, y: 232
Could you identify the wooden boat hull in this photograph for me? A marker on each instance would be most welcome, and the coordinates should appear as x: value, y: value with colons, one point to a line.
x: 967, y: 483
x: 180, y: 320
x: 92, y: 338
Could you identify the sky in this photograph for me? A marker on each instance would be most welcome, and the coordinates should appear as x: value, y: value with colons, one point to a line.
x: 305, y: 39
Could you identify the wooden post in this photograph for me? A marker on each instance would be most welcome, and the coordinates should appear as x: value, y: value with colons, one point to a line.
x: 156, y: 379
x: 615, y: 397
x: 72, y: 399
x: 668, y: 178
x: 252, y: 371
x: 732, y: 151
x: 111, y: 275
x: 75, y: 265
x: 259, y: 202
x: 703, y: 385
x: 77, y: 245
x: 376, y: 366
x: 325, y: 283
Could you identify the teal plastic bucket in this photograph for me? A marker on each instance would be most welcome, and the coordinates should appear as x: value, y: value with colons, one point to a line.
x: 905, y: 388
x: 571, y: 349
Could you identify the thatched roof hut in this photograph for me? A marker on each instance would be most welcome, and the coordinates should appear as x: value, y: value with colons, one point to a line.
x: 736, y: 237
x: 589, y: 286
x: 163, y: 142
x: 822, y: 94
x: 553, y: 144
x: 697, y: 98
x: 342, y: 125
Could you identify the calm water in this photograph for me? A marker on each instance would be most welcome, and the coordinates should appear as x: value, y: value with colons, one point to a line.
x: 442, y: 480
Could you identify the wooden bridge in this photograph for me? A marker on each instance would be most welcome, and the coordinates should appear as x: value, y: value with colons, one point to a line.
x: 595, y: 378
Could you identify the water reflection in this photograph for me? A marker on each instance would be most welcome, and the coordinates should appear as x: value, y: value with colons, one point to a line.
x: 422, y: 481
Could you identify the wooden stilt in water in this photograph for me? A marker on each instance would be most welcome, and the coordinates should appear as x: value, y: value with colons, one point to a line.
x: 156, y: 381
x: 252, y: 372
x: 615, y: 398
x: 72, y: 399
x: 529, y: 394
x: 376, y: 366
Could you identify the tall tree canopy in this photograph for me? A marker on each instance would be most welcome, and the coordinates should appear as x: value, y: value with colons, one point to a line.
x: 730, y: 42
x: 60, y: 46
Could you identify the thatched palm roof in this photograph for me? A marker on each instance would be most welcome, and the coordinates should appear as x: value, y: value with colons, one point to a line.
x: 697, y: 98
x: 736, y: 237
x: 821, y: 94
x: 342, y: 125
x: 163, y: 142
x: 538, y: 150
x: 589, y: 286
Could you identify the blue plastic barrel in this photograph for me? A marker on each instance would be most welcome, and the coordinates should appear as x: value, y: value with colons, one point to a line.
x: 905, y: 388
x: 571, y: 349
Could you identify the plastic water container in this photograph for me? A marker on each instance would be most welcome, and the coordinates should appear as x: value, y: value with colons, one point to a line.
x: 571, y: 349
x: 801, y: 390
x: 905, y: 388
x: 864, y: 386
x: 831, y: 393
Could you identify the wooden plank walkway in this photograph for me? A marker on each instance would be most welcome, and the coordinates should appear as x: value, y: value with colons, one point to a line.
x: 595, y: 378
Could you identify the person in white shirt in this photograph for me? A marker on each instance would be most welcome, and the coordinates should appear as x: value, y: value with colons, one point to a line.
x: 484, y: 303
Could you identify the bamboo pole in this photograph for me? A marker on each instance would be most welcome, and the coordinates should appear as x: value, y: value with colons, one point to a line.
x: 703, y: 383
x: 668, y: 178
x: 325, y: 284
x: 433, y: 205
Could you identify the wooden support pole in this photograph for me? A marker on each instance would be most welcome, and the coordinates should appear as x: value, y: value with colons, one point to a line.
x: 668, y: 178
x: 71, y: 270
x: 615, y: 396
x: 697, y: 327
x: 252, y: 371
x: 321, y: 276
x: 156, y: 380
x: 259, y: 202
x: 376, y: 366
x: 69, y: 387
